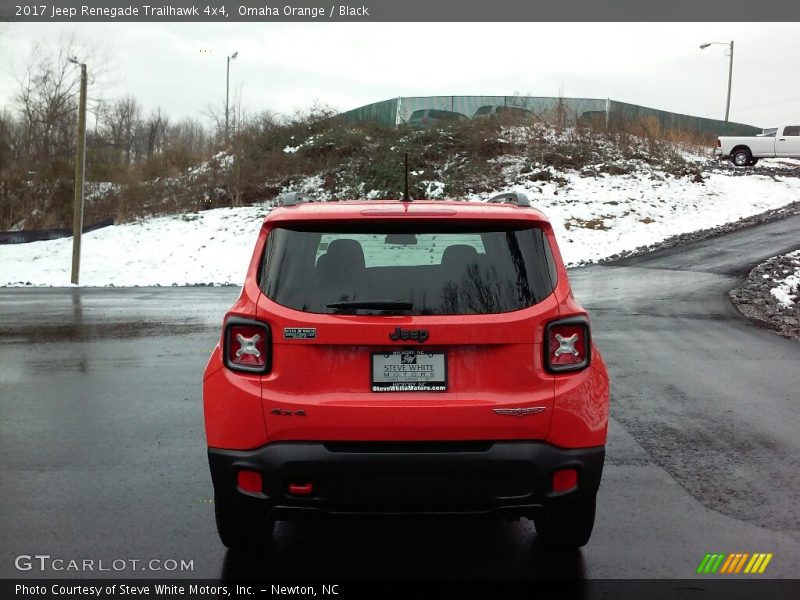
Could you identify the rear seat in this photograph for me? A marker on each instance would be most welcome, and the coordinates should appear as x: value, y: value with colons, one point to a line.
x: 455, y: 261
x: 342, y: 276
x: 340, y: 272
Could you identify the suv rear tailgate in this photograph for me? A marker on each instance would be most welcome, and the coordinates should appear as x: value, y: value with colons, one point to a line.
x: 494, y: 362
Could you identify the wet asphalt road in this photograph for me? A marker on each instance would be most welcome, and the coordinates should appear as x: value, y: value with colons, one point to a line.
x: 102, y: 452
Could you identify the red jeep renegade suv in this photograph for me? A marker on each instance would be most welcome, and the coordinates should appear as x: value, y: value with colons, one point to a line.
x: 391, y: 357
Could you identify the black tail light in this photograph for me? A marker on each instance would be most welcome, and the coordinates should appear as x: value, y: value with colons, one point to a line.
x: 568, y: 345
x: 247, y: 345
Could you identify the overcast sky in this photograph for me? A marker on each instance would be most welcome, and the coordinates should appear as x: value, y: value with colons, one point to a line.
x: 283, y: 67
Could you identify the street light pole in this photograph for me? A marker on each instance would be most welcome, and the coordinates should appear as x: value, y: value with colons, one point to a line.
x: 730, y: 73
x: 80, y: 168
x: 227, y: 89
x: 730, y: 79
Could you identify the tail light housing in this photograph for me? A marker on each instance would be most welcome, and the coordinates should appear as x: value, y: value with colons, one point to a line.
x: 568, y: 345
x: 247, y: 345
x: 719, y: 143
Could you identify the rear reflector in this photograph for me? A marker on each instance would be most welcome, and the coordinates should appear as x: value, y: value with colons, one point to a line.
x: 567, y: 345
x: 250, y: 481
x: 300, y: 489
x: 248, y: 345
x: 564, y: 480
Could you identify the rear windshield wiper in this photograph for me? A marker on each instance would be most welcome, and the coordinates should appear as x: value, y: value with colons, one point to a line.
x: 375, y: 304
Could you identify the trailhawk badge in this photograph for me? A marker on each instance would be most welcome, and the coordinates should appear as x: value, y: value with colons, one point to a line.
x: 519, y: 412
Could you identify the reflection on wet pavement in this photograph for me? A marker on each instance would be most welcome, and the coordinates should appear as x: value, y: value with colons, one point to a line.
x: 431, y: 548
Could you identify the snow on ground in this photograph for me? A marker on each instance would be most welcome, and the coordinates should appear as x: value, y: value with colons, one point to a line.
x: 211, y: 247
x: 785, y: 163
x: 220, y: 159
x: 594, y: 217
x: 770, y: 294
x: 788, y: 282
x: 599, y: 217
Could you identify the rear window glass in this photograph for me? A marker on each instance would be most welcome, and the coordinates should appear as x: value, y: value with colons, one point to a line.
x: 791, y: 130
x: 391, y: 270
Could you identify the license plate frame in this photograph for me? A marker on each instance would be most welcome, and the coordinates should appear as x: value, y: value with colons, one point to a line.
x: 412, y: 370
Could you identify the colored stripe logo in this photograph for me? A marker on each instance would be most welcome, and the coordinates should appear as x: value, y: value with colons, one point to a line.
x: 731, y: 564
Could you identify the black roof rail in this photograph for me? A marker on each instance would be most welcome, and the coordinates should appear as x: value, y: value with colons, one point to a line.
x: 293, y: 198
x: 517, y: 198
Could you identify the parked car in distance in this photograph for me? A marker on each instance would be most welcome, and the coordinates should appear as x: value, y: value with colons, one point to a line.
x: 744, y: 151
x: 493, y: 111
x: 406, y: 358
x: 433, y: 117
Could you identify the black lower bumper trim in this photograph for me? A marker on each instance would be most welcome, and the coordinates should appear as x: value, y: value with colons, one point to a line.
x: 505, y: 478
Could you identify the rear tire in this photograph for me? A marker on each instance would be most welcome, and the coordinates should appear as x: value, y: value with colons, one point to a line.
x: 568, y: 526
x: 741, y: 157
x: 242, y: 527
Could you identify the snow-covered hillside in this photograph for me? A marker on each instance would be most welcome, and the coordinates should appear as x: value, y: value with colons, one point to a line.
x: 595, y: 216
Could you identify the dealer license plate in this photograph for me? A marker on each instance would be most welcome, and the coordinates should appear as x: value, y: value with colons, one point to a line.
x: 409, y: 371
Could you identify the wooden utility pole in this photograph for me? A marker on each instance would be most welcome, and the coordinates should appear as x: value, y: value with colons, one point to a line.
x: 80, y: 167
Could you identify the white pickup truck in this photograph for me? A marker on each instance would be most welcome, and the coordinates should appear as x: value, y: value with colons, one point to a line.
x: 781, y: 142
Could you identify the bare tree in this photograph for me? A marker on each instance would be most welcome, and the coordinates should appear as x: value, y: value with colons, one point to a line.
x: 217, y: 116
x: 47, y: 101
x: 154, y: 132
x: 122, y: 122
x: 47, y: 96
x: 9, y: 140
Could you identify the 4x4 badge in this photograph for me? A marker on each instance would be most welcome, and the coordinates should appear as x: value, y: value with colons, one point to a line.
x: 519, y: 412
x: 288, y: 413
x: 419, y: 335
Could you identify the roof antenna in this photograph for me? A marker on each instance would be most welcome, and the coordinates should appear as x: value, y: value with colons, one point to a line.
x: 406, y: 197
